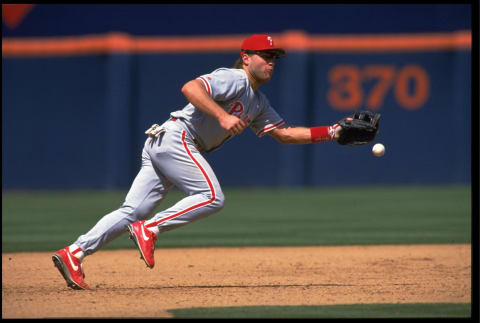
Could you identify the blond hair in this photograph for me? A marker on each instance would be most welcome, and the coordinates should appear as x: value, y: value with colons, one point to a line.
x: 238, y: 63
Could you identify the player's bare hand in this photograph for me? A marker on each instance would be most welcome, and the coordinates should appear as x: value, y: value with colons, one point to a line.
x: 232, y: 124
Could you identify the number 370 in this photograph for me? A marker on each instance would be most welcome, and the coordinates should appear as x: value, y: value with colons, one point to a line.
x: 411, y: 86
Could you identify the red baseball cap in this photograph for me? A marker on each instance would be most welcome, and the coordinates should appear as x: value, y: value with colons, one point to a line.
x: 261, y: 42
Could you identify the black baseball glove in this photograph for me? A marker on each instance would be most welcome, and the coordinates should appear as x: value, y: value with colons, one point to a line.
x: 359, y: 129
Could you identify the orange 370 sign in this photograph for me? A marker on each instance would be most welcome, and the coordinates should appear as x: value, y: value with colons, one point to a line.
x: 410, y: 85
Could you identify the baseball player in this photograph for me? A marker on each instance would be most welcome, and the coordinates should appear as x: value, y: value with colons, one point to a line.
x: 221, y: 105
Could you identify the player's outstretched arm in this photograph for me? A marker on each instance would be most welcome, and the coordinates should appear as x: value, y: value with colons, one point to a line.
x: 196, y: 94
x: 302, y: 135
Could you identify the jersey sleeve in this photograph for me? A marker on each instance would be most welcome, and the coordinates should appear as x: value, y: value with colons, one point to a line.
x: 223, y: 84
x: 267, y: 120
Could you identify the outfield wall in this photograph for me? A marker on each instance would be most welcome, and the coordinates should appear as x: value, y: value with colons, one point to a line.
x: 74, y: 109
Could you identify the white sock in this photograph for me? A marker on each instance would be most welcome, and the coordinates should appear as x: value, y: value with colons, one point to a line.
x: 153, y: 229
x: 76, y: 251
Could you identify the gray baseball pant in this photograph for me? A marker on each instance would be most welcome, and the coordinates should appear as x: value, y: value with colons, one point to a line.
x: 171, y: 160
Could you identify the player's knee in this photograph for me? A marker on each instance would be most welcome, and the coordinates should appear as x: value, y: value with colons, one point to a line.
x: 218, y: 201
x: 135, y: 213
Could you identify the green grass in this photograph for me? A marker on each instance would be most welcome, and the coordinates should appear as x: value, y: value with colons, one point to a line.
x: 333, y: 311
x: 47, y: 221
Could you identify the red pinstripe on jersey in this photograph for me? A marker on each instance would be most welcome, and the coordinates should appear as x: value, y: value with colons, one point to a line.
x: 196, y: 206
x: 207, y: 85
x: 266, y: 129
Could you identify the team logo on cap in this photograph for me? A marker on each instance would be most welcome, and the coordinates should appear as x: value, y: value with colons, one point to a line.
x: 270, y: 40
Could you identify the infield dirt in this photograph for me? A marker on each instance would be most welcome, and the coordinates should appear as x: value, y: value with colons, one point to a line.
x: 122, y: 286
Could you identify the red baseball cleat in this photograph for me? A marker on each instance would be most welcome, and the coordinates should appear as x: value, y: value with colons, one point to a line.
x: 145, y: 241
x: 70, y: 268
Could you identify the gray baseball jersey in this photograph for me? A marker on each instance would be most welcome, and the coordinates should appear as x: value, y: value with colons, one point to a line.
x: 174, y: 159
x: 230, y: 88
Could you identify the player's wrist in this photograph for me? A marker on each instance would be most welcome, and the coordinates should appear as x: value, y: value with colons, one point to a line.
x: 324, y: 133
x: 336, y: 129
x: 320, y: 134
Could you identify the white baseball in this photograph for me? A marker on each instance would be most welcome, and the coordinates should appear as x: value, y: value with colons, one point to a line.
x: 378, y: 150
